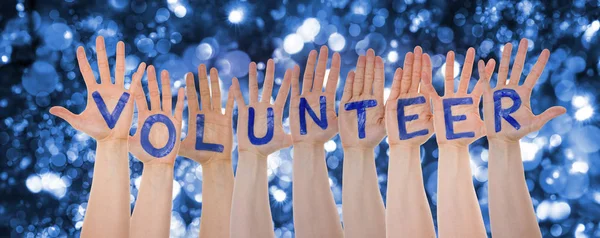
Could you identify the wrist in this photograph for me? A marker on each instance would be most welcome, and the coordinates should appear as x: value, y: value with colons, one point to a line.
x: 502, y: 143
x: 453, y: 150
x: 250, y: 155
x: 404, y: 151
x: 358, y: 152
x: 215, y: 164
x: 158, y: 169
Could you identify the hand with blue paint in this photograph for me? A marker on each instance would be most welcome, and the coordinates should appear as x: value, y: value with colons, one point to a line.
x: 107, y: 118
x: 508, y: 118
x: 362, y: 127
x: 409, y: 123
x: 208, y: 142
x: 155, y: 143
x: 457, y: 124
x: 260, y: 133
x: 313, y: 122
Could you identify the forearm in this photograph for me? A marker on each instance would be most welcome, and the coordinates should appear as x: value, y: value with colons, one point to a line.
x: 511, y: 210
x: 364, y: 213
x: 315, y: 213
x: 152, y: 212
x: 108, y: 207
x: 217, y: 190
x: 250, y: 209
x: 458, y: 211
x: 407, y: 212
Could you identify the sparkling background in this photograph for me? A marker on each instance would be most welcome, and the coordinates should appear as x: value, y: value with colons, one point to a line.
x: 46, y: 166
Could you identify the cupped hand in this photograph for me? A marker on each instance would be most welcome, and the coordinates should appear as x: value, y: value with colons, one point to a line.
x: 318, y: 100
x: 157, y: 138
x: 110, y: 99
x: 253, y: 118
x: 209, y: 124
x: 363, y: 127
x: 505, y: 95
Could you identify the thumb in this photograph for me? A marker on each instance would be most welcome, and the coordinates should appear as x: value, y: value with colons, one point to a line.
x: 549, y: 114
x: 64, y: 114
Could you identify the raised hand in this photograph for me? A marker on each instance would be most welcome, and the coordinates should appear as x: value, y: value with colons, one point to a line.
x: 158, y: 134
x: 362, y: 116
x: 109, y: 109
x: 210, y: 131
x: 312, y: 114
x: 260, y: 129
x: 456, y: 114
x: 507, y: 107
x: 408, y: 115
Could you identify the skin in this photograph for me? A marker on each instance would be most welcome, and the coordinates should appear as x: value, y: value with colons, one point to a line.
x: 407, y: 212
x: 108, y: 208
x: 217, y: 173
x: 511, y: 210
x: 315, y: 212
x: 152, y: 213
x: 360, y: 189
x: 250, y: 210
x: 458, y: 211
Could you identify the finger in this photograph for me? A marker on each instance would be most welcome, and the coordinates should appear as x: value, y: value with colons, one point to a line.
x: 204, y: 89
x: 215, y: 90
x: 537, y: 70
x: 153, y: 89
x: 359, y: 76
x: 465, y: 77
x: 321, y: 68
x: 138, y: 92
x: 407, y: 73
x: 85, y: 68
x: 136, y: 78
x: 253, y: 83
x: 549, y: 114
x: 416, y: 74
x: 427, y: 69
x: 179, y: 105
x: 284, y: 90
x: 229, y: 104
x: 165, y: 83
x: 64, y: 114
x: 395, y: 90
x: 267, y: 90
x: 295, y: 82
x: 379, y: 80
x: 102, y: 60
x: 426, y: 78
x: 334, y: 75
x: 192, y: 97
x: 488, y: 103
x: 349, y: 84
x: 237, y: 93
x: 504, y: 64
x: 309, y: 71
x: 449, y: 77
x: 120, y: 64
x: 484, y: 80
x: 369, y: 72
x: 517, y: 69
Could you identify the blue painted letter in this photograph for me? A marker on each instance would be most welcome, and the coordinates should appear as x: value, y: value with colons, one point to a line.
x: 402, y: 118
x: 270, y: 127
x: 110, y: 118
x: 505, y: 113
x: 144, y: 139
x: 449, y: 119
x: 361, y: 113
x: 304, y: 108
x: 200, y: 145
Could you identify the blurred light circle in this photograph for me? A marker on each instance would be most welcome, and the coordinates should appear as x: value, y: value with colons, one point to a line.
x: 309, y: 29
x: 204, y: 51
x: 373, y: 41
x: 576, y: 64
x: 553, y: 179
x: 239, y: 62
x: 354, y: 30
x: 162, y: 15
x: 336, y: 42
x: 293, y: 43
x: 445, y: 35
x: 176, y: 37
x: 58, y: 36
x: 163, y: 46
x: 180, y: 11
x: 131, y: 63
x: 41, y: 77
x: 34, y: 183
x: 139, y: 6
x: 236, y: 16
x: 59, y: 160
x: 586, y: 138
x: 577, y: 184
x: 559, y: 210
x: 145, y: 45
x: 379, y: 21
x: 42, y: 99
x: 392, y: 56
x: 118, y: 4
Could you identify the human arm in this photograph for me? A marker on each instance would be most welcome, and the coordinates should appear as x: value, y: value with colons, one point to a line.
x: 260, y: 133
x: 108, y: 208
x: 407, y: 211
x: 362, y: 128
x: 511, y: 209
x: 209, y: 142
x: 156, y: 143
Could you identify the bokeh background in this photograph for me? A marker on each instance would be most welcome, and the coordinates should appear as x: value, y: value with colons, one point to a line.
x: 46, y: 166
